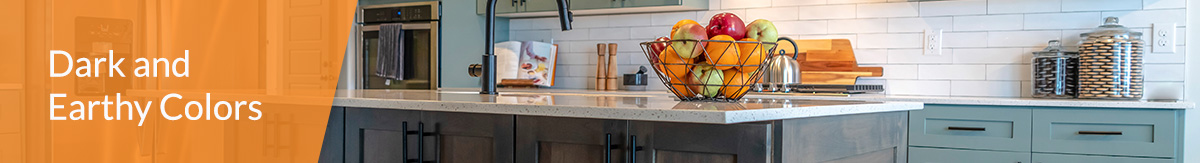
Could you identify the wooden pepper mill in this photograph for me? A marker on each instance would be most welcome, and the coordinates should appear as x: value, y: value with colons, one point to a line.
x: 601, y: 74
x: 611, y: 78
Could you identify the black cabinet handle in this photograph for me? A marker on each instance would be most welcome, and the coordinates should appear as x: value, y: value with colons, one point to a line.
x: 404, y: 141
x: 608, y: 152
x: 633, y: 148
x: 421, y: 134
x: 966, y: 128
x: 1100, y: 133
x: 514, y: 3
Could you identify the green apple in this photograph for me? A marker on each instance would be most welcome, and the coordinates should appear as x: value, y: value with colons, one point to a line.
x: 762, y: 30
x: 688, y: 49
x: 712, y: 79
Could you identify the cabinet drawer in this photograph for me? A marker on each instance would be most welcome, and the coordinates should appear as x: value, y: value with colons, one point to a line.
x: 1106, y: 132
x: 934, y: 155
x: 993, y: 128
x: 1060, y: 158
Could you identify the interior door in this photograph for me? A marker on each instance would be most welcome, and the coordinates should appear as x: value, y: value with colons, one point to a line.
x: 380, y: 135
x: 468, y: 137
x: 699, y: 143
x: 569, y: 140
x: 10, y: 126
x: 304, y: 44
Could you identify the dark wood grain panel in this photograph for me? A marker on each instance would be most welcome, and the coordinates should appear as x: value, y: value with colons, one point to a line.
x: 745, y: 143
x: 469, y: 137
x: 567, y: 140
x: 665, y: 156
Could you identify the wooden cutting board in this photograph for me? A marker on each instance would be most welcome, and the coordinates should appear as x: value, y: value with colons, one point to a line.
x: 829, y: 61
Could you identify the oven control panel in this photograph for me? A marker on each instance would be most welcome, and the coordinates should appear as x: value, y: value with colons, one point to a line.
x: 399, y: 14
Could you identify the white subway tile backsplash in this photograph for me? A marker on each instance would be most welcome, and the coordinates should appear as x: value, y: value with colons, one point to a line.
x: 854, y: 1
x: 889, y: 41
x: 1080, y: 20
x: 1008, y: 72
x: 797, y: 2
x: 773, y: 14
x: 1163, y: 4
x: 1023, y: 6
x: 1100, y: 5
x: 985, y: 88
x: 920, y: 24
x: 948, y: 8
x: 900, y: 71
x: 1164, y: 72
x: 1026, y: 89
x: 916, y: 56
x: 572, y: 35
x: 802, y: 27
x: 965, y: 39
x: 952, y: 72
x: 858, y: 26
x: 888, y: 10
x: 826, y: 12
x: 987, y: 43
x: 735, y: 4
x: 918, y: 87
x: 1147, y: 17
x: 609, y: 33
x: 988, y: 23
x: 1021, y: 38
x: 672, y: 18
x: 991, y: 55
x: 872, y: 56
x: 632, y: 20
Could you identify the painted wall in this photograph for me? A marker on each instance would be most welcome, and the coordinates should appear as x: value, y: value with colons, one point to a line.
x: 462, y: 41
x: 988, y: 43
x: 1192, y: 122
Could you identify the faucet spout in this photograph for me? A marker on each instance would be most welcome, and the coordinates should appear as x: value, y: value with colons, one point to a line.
x: 488, y: 74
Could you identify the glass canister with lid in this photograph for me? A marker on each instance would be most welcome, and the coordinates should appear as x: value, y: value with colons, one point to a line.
x: 1055, y: 72
x: 1110, y: 62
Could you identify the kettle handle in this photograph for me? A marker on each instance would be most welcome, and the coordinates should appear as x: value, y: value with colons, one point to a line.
x: 794, y: 47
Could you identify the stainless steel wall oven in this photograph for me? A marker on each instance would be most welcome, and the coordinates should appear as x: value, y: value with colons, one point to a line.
x: 417, y: 43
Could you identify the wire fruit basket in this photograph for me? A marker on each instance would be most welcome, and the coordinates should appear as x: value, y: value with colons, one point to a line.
x: 708, y: 70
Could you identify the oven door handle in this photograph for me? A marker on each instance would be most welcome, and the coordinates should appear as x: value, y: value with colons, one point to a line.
x: 407, y: 26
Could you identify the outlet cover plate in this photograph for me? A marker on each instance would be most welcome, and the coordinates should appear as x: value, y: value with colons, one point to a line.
x: 1163, y: 39
x: 932, y: 42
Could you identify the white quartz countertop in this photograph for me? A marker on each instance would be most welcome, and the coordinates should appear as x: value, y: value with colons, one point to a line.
x: 945, y: 100
x: 644, y: 106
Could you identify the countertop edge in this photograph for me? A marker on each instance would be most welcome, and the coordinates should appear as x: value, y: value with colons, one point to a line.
x: 1012, y: 102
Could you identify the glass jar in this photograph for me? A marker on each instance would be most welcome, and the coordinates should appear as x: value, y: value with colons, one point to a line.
x: 1055, y: 72
x: 1110, y: 62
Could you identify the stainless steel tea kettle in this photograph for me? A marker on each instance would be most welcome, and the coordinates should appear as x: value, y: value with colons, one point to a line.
x: 780, y: 71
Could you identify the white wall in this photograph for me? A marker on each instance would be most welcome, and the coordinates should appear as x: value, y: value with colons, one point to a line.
x: 1192, y: 117
x: 988, y: 42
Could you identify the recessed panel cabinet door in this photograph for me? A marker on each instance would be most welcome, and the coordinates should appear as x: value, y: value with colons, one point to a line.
x: 594, y: 4
x: 644, y: 3
x: 467, y: 137
x: 502, y: 6
x: 660, y: 142
x: 379, y: 135
x: 569, y: 140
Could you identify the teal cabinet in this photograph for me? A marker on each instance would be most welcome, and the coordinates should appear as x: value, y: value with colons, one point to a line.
x: 989, y: 128
x: 1060, y: 158
x: 960, y: 133
x: 1149, y: 133
x: 935, y: 155
x: 545, y: 8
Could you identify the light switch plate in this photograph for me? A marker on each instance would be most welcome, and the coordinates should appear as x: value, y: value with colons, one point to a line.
x: 932, y: 42
x: 1163, y: 39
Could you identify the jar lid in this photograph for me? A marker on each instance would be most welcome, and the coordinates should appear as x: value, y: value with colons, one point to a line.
x: 1054, y: 48
x: 1111, y: 27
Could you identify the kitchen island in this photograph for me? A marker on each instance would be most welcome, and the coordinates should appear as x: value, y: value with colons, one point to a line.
x: 548, y: 126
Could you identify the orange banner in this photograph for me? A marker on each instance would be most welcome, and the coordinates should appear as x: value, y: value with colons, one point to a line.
x: 128, y: 81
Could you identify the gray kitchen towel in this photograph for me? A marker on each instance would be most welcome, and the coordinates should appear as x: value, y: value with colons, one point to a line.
x: 390, y: 62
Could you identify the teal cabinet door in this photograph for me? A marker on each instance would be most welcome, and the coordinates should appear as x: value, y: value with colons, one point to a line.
x: 1149, y: 133
x: 595, y: 4
x: 1059, y: 158
x: 539, y: 5
x: 645, y: 3
x: 935, y: 155
x: 972, y: 127
x: 502, y: 6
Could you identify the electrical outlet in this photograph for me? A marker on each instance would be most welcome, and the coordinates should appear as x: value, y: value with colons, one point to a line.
x: 933, y: 42
x: 1163, y: 39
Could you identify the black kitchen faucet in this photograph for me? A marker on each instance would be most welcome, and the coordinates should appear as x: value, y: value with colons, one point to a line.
x: 487, y: 71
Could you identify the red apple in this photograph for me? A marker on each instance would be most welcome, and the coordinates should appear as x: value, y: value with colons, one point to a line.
x: 685, y: 41
x: 659, y: 45
x: 727, y: 24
